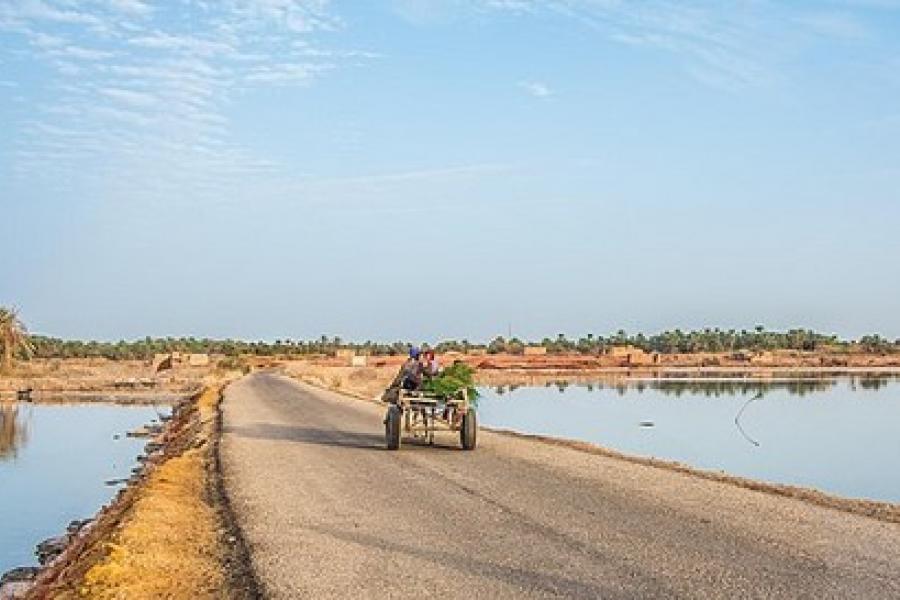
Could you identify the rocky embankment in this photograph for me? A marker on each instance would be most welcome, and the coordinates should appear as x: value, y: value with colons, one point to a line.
x: 165, y: 534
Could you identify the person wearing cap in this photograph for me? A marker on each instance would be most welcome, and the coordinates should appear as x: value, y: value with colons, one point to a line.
x: 409, y: 377
x: 412, y: 371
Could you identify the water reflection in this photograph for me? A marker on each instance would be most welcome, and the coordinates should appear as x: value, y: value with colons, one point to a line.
x: 871, y: 383
x: 54, y: 462
x: 713, y: 387
x: 13, y: 430
x: 837, y: 433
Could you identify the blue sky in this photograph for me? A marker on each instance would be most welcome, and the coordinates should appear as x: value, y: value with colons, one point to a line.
x: 423, y: 169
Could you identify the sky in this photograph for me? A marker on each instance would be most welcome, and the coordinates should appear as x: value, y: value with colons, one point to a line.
x: 426, y: 169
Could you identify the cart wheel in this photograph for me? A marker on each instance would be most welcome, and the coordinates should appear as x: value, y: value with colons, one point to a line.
x: 392, y: 428
x: 468, y: 430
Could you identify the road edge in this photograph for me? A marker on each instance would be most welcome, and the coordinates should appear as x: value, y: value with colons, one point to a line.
x: 886, y: 512
x: 881, y: 511
x: 243, y: 582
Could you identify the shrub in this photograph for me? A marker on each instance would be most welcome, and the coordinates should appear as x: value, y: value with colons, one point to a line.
x: 456, y: 377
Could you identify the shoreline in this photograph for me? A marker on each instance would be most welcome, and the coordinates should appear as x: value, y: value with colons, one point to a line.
x: 887, y: 512
x: 92, y: 559
x: 94, y: 527
x: 490, y: 375
x: 99, y: 397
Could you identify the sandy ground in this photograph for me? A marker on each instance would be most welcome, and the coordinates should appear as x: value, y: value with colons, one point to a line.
x: 56, y: 378
x: 791, y: 360
x: 327, y: 512
x: 101, y: 379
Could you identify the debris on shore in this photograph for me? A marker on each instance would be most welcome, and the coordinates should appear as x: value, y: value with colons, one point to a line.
x: 162, y: 535
x: 145, y: 431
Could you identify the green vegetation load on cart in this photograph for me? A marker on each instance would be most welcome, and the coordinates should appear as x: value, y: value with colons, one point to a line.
x: 452, y: 380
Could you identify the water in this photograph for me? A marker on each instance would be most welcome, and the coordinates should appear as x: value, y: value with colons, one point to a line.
x: 54, y: 460
x: 839, y: 435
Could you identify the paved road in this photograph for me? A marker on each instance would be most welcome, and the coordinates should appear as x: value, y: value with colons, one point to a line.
x: 327, y: 512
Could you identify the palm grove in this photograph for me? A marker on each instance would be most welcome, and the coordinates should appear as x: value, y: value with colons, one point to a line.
x: 667, y: 342
x: 17, y: 344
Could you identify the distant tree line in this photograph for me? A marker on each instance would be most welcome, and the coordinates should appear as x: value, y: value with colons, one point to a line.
x: 675, y: 341
x: 146, y: 348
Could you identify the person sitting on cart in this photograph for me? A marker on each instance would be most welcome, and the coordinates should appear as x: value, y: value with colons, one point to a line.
x: 412, y: 371
x: 431, y: 365
x: 408, y: 378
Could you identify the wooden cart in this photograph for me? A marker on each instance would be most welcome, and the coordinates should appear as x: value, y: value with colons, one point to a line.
x: 421, y: 414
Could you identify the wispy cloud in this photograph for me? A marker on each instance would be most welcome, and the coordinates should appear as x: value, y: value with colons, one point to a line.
x: 731, y: 46
x: 133, y: 7
x: 296, y: 72
x: 138, y: 100
x: 147, y: 85
x: 434, y: 174
x: 724, y: 45
x: 537, y: 89
x: 425, y: 12
x: 718, y: 44
x: 835, y: 24
x: 188, y: 44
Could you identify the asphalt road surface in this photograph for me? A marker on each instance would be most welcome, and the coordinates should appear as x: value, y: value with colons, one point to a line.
x: 328, y: 512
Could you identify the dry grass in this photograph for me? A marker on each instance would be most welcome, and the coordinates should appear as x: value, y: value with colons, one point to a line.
x: 88, y: 375
x: 167, y: 544
x: 362, y: 382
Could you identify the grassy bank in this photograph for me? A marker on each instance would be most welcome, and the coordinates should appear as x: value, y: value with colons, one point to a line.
x: 167, y: 536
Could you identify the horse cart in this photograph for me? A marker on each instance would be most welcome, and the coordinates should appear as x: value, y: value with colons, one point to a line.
x: 420, y: 414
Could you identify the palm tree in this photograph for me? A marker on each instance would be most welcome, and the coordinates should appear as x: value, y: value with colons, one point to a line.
x: 13, y: 336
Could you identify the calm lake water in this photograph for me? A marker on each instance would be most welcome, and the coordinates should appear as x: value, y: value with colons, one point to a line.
x: 54, y: 460
x: 838, y: 435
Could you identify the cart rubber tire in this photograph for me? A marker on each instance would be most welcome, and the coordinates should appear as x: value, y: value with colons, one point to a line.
x: 468, y: 432
x: 392, y: 428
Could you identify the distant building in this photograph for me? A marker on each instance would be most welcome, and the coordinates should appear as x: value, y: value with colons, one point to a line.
x: 639, y: 358
x: 164, y: 361
x: 762, y: 358
x: 632, y: 356
x: 621, y: 351
x: 535, y: 350
x: 198, y: 360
